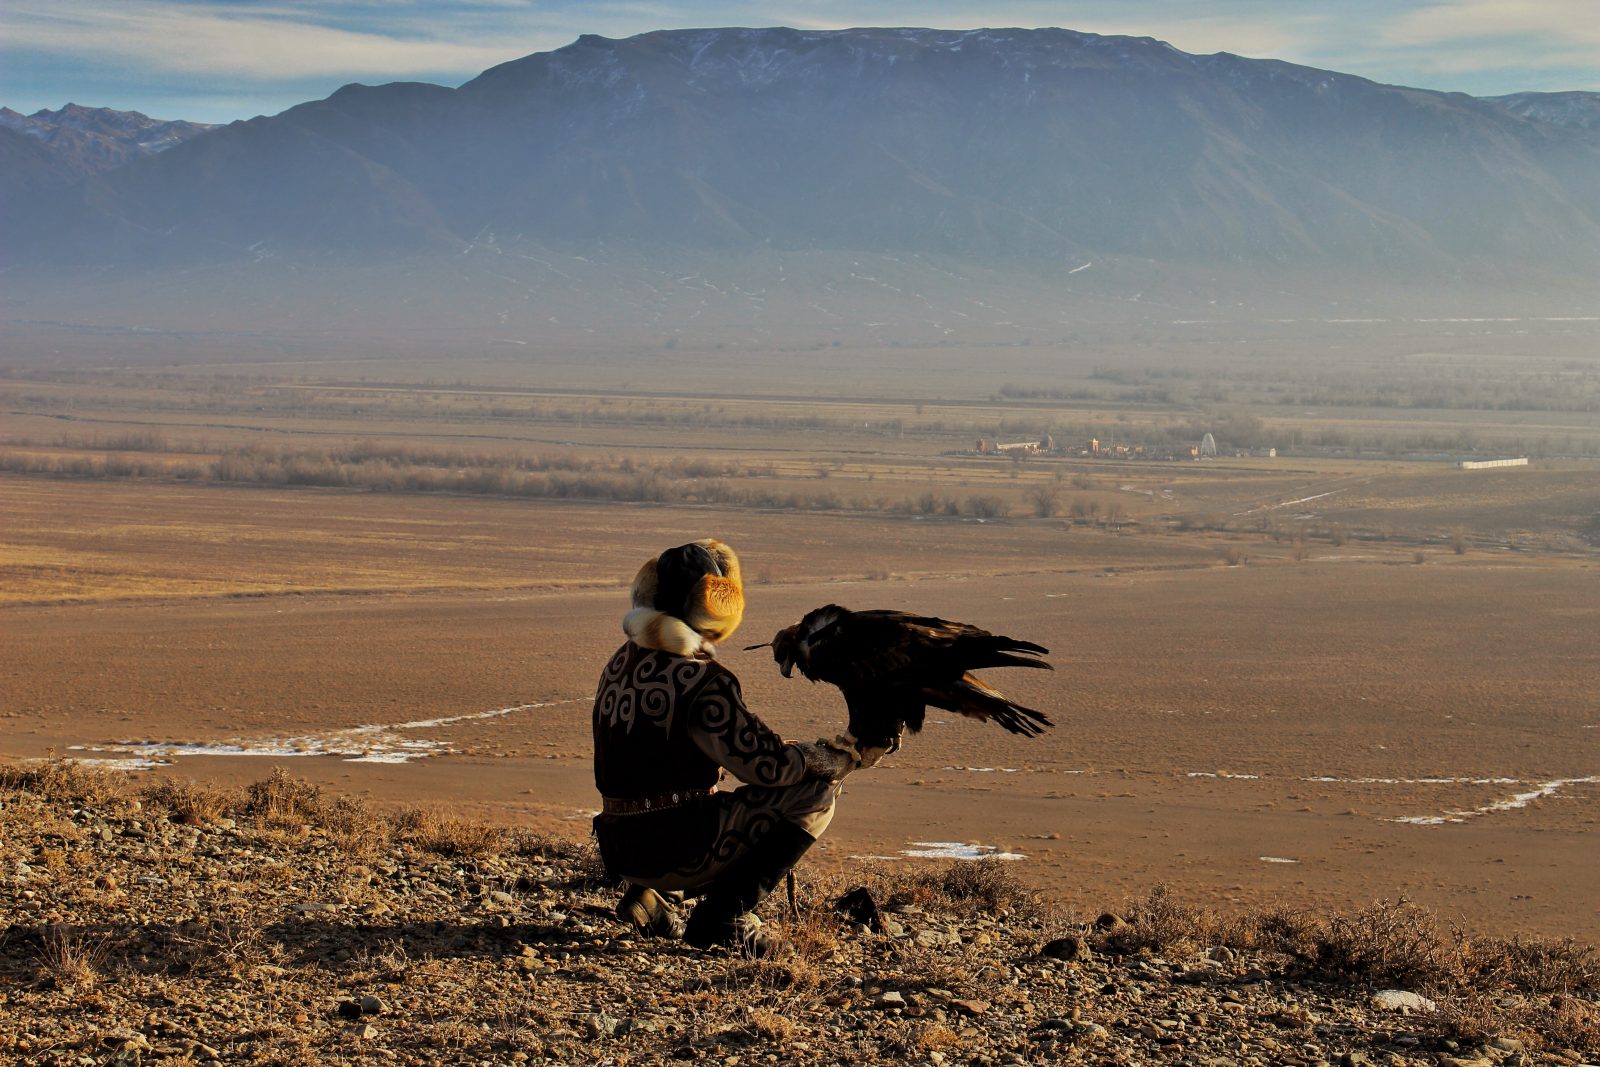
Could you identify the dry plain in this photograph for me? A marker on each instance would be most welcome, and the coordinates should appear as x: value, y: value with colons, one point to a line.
x: 1325, y: 679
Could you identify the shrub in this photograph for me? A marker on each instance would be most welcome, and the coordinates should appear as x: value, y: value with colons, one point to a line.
x: 986, y: 507
x: 282, y: 799
x: 190, y: 803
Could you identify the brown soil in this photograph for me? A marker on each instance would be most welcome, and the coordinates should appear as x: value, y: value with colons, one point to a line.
x: 1198, y: 706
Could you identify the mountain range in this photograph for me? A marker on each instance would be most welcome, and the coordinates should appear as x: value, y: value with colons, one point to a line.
x: 1004, y: 157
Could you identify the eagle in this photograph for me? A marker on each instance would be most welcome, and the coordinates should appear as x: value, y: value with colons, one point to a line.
x: 891, y: 665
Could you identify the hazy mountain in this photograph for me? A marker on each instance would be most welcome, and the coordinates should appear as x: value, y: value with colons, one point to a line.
x: 29, y: 166
x: 1576, y: 109
x: 993, y: 154
x: 92, y: 139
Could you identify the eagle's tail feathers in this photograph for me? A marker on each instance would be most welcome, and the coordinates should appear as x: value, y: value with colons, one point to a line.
x: 993, y: 650
x: 973, y: 698
x: 1006, y: 659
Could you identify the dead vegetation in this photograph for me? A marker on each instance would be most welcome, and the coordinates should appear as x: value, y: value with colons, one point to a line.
x: 1391, y: 944
x: 965, y: 960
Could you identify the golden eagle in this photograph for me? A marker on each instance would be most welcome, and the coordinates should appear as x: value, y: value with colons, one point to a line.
x: 891, y: 665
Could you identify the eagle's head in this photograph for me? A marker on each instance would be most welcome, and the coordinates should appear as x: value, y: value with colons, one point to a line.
x: 791, y: 646
x: 785, y: 649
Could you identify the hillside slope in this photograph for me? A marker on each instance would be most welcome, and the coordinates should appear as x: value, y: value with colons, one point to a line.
x: 1007, y: 146
x: 182, y: 924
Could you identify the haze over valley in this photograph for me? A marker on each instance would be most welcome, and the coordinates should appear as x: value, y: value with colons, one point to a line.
x: 1266, y: 397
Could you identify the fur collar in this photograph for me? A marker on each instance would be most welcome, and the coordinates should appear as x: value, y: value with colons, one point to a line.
x: 657, y: 630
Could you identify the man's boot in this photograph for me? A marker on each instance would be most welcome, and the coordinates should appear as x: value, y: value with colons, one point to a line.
x: 723, y: 916
x: 650, y: 912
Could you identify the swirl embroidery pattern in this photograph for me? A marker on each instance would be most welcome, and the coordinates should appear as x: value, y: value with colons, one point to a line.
x: 647, y: 689
x: 738, y: 740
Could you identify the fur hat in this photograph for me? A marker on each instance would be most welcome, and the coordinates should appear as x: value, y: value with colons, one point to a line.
x: 687, y: 599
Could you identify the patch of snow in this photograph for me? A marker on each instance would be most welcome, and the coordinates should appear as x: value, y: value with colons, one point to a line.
x: 956, y: 850
x: 372, y: 743
x: 1511, y: 803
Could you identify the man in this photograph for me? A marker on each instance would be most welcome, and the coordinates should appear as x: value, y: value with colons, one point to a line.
x: 668, y: 720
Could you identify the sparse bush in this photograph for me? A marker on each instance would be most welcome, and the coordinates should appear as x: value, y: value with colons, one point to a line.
x: 1158, y: 922
x: 985, y: 885
x: 1046, y: 501
x: 432, y: 830
x: 190, y: 803
x: 355, y: 825
x: 1235, y: 556
x: 69, y: 959
x: 283, y: 800
x: 1397, y: 942
x: 61, y: 779
x: 986, y: 507
x: 232, y: 945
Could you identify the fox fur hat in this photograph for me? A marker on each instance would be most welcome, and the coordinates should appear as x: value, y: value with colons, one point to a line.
x: 687, y: 599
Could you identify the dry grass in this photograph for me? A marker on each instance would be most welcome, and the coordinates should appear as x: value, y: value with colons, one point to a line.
x: 191, y: 803
x: 434, y: 829
x: 71, y: 959
x: 284, y: 800
x: 61, y: 779
x: 1393, y: 944
x: 989, y: 886
x: 234, y: 945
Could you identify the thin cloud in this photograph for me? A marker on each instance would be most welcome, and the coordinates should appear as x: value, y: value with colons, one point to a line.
x: 280, y: 52
x: 1561, y: 24
x: 268, y: 44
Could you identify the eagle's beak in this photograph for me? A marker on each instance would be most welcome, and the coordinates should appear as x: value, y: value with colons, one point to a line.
x: 786, y: 666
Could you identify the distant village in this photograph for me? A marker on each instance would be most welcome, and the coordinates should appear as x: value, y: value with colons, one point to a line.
x: 1095, y: 448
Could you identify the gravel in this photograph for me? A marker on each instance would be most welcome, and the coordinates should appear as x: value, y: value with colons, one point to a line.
x: 132, y: 940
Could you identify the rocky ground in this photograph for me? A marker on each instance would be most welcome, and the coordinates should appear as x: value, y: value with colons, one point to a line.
x: 180, y: 924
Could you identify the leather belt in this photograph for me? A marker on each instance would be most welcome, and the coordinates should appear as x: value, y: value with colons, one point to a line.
x: 664, y: 802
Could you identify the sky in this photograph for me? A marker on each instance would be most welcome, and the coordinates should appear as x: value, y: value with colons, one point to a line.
x: 219, y: 60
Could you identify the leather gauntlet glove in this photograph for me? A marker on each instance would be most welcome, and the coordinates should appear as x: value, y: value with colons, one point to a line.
x: 825, y: 761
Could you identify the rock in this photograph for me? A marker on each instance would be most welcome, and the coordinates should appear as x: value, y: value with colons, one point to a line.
x: 1093, y: 1034
x: 364, y: 1032
x: 1072, y: 948
x: 1401, y: 1000
x: 970, y: 1007
x: 888, y: 1000
x: 349, y: 1009
x: 934, y: 938
x: 371, y: 1005
x: 858, y: 906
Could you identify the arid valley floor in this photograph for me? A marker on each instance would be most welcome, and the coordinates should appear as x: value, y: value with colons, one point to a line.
x: 1327, y: 679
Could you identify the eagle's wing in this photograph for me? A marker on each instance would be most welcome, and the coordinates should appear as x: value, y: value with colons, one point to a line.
x: 860, y: 649
x: 899, y: 648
